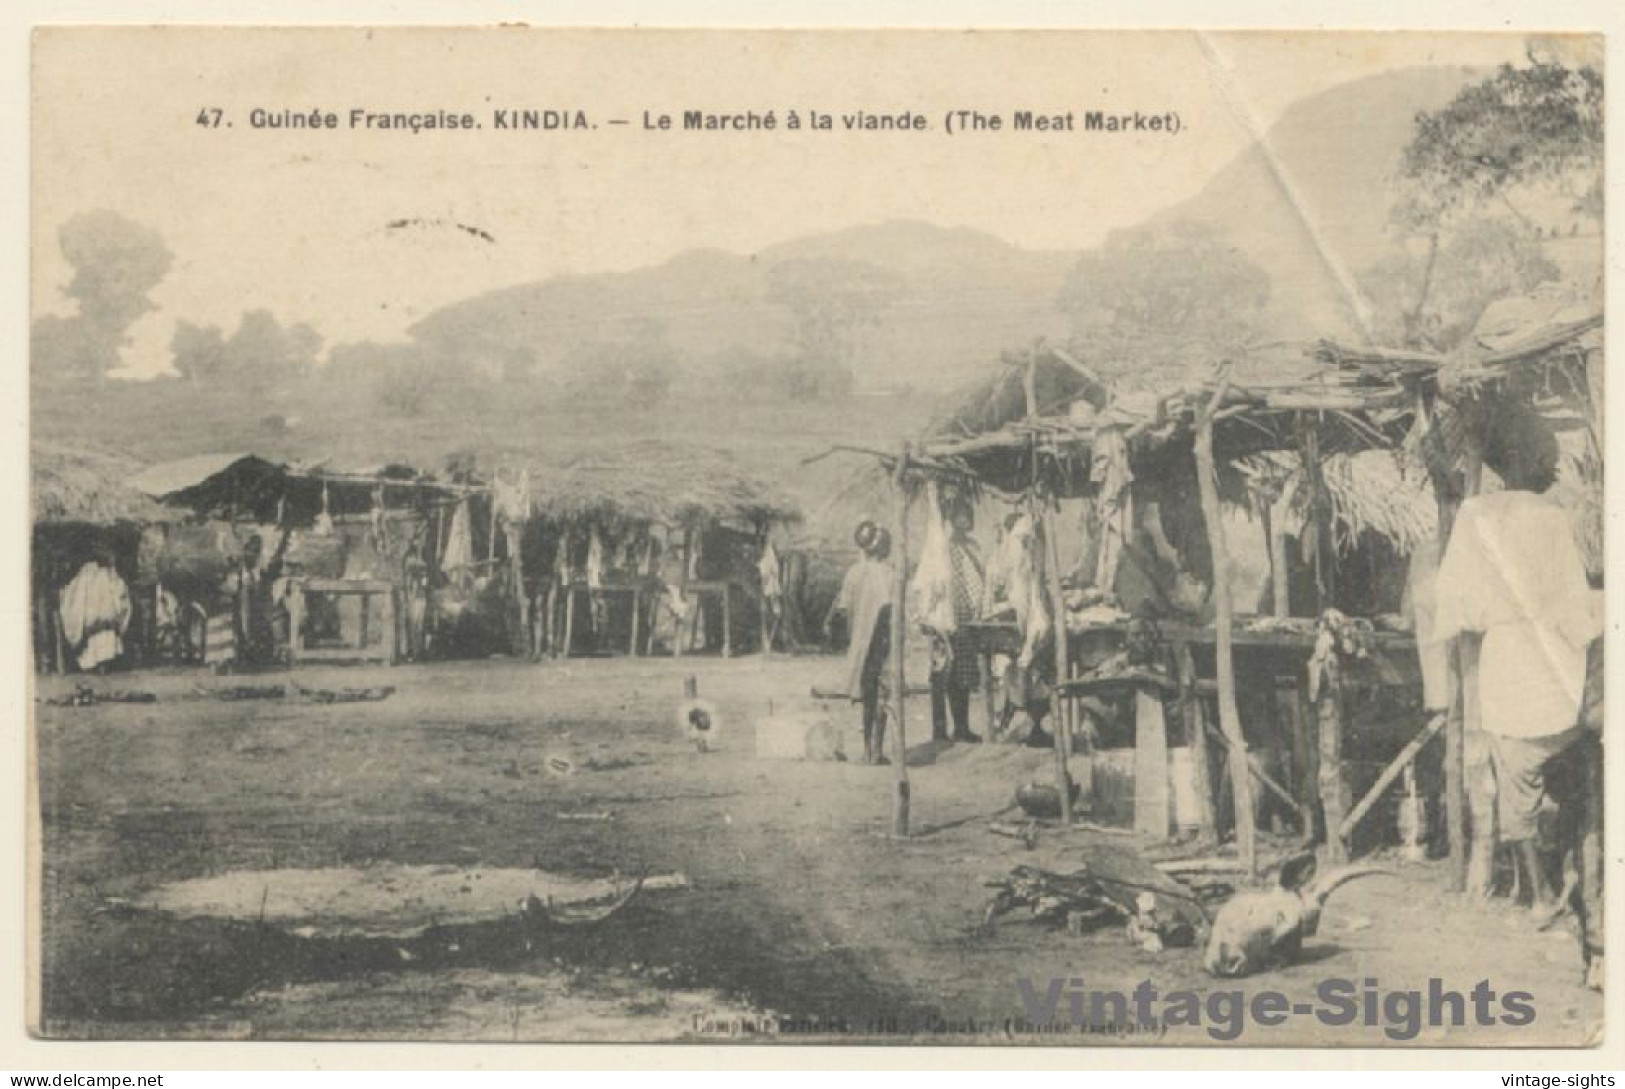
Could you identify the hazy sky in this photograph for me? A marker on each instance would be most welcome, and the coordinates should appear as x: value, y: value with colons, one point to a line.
x: 294, y: 221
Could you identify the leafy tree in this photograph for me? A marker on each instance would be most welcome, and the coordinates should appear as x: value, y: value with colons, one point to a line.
x: 261, y: 342
x: 198, y: 351
x: 116, y: 264
x: 1163, y: 298
x: 1540, y: 124
x: 833, y: 305
x: 1526, y: 133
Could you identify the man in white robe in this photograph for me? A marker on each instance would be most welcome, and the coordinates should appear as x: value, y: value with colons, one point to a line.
x: 1513, y: 572
x: 95, y: 613
x: 866, y: 600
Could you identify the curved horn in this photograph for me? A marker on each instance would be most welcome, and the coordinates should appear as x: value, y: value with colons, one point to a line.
x: 1342, y: 875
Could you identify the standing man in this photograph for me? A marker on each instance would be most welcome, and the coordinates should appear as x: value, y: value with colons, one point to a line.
x: 955, y: 671
x: 95, y: 612
x: 1513, y: 574
x: 866, y: 600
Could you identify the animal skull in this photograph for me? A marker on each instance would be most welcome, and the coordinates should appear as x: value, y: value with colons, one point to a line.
x: 1259, y: 930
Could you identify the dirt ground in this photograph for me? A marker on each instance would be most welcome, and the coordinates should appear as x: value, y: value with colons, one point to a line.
x: 799, y: 913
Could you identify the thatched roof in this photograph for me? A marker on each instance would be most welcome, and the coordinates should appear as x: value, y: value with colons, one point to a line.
x: 661, y: 482
x: 1264, y: 401
x: 88, y: 487
x: 1380, y: 492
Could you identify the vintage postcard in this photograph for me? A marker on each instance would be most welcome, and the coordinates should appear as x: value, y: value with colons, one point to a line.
x: 817, y: 537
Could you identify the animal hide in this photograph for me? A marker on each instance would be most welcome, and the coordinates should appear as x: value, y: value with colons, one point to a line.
x: 931, y: 591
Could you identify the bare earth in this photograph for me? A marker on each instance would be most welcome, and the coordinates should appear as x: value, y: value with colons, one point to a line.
x: 798, y: 905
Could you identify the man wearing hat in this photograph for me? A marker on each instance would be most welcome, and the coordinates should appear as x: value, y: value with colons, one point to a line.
x: 866, y: 599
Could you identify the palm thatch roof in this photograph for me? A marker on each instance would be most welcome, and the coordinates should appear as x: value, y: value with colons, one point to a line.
x: 88, y: 487
x: 1382, y: 492
x: 661, y: 482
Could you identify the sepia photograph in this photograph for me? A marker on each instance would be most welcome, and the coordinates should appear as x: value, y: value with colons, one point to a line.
x: 813, y: 537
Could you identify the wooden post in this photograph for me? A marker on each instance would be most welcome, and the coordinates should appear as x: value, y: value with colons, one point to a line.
x: 391, y: 648
x: 1389, y: 774
x: 1320, y: 516
x: 1152, y: 810
x: 514, y: 536
x: 1196, y: 737
x: 546, y: 639
x: 899, y: 630
x: 1478, y: 776
x: 1334, y: 789
x: 637, y: 600
x: 767, y: 628
x: 727, y: 619
x: 569, y: 620
x: 988, y: 682
x: 1280, y: 582
x: 1062, y: 706
x: 296, y: 621
x: 1455, y: 769
x: 1224, y: 609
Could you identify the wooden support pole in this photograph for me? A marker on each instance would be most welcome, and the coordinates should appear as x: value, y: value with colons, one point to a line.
x: 727, y: 619
x: 899, y: 631
x: 512, y: 536
x: 637, y: 617
x: 1449, y: 495
x: 767, y: 629
x: 1306, y: 734
x: 1196, y: 736
x: 550, y: 623
x: 1061, y: 709
x: 569, y: 620
x: 1334, y: 789
x: 296, y: 621
x: 683, y: 630
x: 1389, y: 774
x: 1280, y: 582
x: 1320, y: 516
x: 1224, y: 611
x: 1264, y: 778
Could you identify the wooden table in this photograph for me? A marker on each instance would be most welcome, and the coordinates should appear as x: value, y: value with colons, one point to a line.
x: 1316, y: 730
x: 363, y: 650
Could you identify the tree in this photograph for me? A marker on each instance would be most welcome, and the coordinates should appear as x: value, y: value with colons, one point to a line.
x: 833, y: 305
x: 261, y: 342
x: 1164, y: 297
x: 116, y: 263
x: 198, y: 352
x: 1518, y: 138
x: 1431, y: 298
x: 1541, y: 124
x: 637, y: 369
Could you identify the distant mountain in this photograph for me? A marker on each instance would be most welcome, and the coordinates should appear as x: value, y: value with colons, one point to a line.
x: 965, y: 296
x: 1309, y: 203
